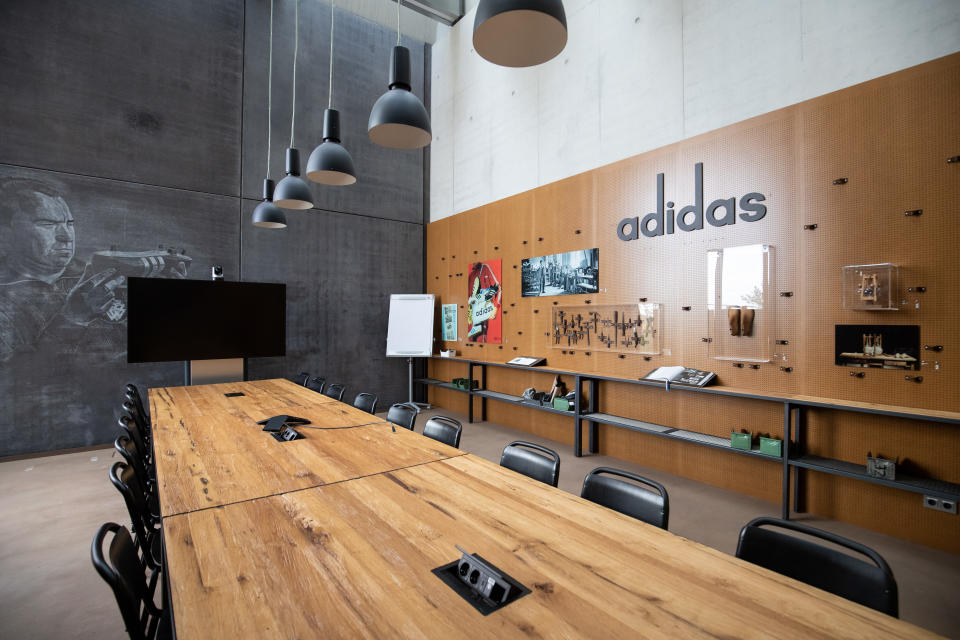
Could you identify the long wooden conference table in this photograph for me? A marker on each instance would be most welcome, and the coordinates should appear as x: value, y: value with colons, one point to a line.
x: 335, y: 536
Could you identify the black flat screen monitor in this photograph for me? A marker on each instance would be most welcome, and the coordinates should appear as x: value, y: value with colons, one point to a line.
x: 204, y: 320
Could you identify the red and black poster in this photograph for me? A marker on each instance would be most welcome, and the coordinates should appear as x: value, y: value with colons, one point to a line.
x: 483, y: 304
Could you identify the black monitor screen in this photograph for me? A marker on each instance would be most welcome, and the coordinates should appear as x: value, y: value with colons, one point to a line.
x: 204, y: 320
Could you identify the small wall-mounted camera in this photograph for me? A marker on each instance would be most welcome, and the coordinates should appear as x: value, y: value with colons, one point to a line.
x: 216, y: 272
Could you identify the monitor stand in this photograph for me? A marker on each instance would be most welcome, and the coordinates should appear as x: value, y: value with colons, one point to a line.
x: 213, y: 371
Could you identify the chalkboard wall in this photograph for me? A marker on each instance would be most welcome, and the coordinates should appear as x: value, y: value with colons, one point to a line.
x: 134, y: 143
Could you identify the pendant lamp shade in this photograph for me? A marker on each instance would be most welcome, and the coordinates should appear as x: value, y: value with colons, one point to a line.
x: 293, y: 192
x: 398, y: 119
x: 519, y: 33
x: 330, y: 163
x: 268, y: 215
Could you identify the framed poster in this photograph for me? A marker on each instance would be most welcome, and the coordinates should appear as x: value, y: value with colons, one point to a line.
x: 483, y: 303
x: 448, y: 313
x: 561, y: 274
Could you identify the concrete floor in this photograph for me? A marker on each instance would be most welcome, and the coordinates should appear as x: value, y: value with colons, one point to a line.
x: 52, y: 506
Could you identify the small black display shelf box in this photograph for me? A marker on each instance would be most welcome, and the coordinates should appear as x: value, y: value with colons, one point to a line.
x: 502, y: 588
x: 856, y: 346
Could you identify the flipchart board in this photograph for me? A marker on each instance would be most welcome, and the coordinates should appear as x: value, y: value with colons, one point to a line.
x: 410, y: 326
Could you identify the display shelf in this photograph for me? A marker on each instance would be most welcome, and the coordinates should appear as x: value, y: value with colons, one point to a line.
x: 506, y: 397
x: 672, y: 432
x: 793, y: 436
x: 439, y: 383
x: 926, y: 486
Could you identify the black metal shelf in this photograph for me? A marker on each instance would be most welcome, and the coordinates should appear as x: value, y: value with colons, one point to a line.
x: 506, y: 397
x: 695, y: 437
x: 440, y: 383
x: 926, y: 486
x: 792, y: 427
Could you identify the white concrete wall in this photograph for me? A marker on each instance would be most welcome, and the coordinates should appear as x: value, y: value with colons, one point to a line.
x: 637, y: 75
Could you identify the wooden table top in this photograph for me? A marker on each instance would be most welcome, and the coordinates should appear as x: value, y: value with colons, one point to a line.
x: 354, y: 560
x: 211, y: 452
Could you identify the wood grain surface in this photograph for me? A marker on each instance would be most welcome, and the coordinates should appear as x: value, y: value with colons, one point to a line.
x: 354, y: 560
x: 210, y: 451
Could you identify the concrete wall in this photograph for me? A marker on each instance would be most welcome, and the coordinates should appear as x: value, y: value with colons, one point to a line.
x: 147, y: 121
x: 636, y: 76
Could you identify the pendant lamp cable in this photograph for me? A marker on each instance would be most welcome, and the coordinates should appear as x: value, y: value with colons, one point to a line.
x: 398, y: 22
x: 330, y: 91
x: 296, y: 44
x: 270, y: 90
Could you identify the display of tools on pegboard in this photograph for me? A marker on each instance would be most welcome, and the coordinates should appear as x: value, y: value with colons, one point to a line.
x: 619, y: 328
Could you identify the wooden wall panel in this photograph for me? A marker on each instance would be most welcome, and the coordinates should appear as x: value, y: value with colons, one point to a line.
x: 890, y: 138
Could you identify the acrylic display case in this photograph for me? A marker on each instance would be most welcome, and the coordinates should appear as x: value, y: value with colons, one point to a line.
x: 871, y: 287
x: 740, y: 305
x: 620, y: 328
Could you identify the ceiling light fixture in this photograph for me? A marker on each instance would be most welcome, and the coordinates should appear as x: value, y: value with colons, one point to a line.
x: 293, y: 192
x: 519, y: 33
x: 267, y: 214
x: 398, y: 119
x: 330, y: 163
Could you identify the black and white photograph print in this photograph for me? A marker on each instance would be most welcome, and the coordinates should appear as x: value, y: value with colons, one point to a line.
x: 561, y: 274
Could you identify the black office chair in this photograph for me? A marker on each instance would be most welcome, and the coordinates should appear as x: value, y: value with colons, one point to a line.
x: 403, y: 415
x: 126, y: 447
x: 871, y: 585
x: 132, y: 430
x: 146, y: 524
x: 126, y: 577
x: 628, y: 498
x: 133, y: 394
x: 444, y: 429
x: 316, y: 384
x: 545, y: 468
x: 366, y: 402
x: 334, y: 391
x: 301, y: 378
x: 142, y: 422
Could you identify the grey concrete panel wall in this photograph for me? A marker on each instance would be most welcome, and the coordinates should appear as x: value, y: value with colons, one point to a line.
x: 137, y: 90
x: 340, y: 270
x: 389, y: 181
x: 63, y: 334
x: 127, y: 115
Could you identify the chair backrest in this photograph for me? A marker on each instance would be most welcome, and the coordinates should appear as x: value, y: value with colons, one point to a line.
x: 869, y: 583
x: 121, y: 569
x: 403, y: 415
x: 366, y: 402
x: 334, y: 391
x: 446, y: 430
x: 316, y: 384
x: 638, y: 502
x: 523, y: 457
x: 133, y: 394
x: 132, y: 430
x: 127, y: 448
x: 125, y: 479
x: 301, y: 378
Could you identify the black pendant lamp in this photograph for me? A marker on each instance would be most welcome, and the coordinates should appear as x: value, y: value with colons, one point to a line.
x: 398, y: 119
x: 519, y: 33
x: 330, y: 163
x: 267, y: 214
x: 293, y: 192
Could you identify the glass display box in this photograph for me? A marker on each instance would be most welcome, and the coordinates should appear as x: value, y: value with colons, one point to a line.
x: 619, y: 328
x: 740, y: 309
x: 871, y: 287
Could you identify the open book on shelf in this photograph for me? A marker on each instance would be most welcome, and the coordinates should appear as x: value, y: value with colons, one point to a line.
x: 682, y: 375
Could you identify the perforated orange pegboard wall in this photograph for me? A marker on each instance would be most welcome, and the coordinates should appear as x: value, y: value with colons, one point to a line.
x: 890, y: 138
